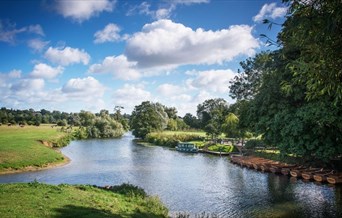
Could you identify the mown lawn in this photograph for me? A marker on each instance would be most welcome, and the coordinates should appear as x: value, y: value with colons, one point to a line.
x: 198, y: 133
x: 20, y: 147
x: 42, y: 200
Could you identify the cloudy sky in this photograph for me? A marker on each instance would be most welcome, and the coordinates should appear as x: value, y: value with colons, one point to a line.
x: 70, y: 55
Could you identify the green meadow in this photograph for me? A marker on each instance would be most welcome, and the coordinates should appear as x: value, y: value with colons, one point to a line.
x: 21, y: 147
x: 42, y: 200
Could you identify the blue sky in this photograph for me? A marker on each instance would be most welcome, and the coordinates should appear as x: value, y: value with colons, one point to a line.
x: 71, y: 55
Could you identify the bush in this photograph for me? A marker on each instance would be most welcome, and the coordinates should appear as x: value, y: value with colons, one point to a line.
x: 158, y: 138
x: 253, y: 143
x: 222, y: 148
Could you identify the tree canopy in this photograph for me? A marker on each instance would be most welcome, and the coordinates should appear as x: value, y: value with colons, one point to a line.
x: 293, y: 94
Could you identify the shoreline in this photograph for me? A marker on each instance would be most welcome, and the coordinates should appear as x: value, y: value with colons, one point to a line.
x: 47, y: 166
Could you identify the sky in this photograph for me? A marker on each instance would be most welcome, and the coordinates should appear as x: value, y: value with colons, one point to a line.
x: 73, y: 55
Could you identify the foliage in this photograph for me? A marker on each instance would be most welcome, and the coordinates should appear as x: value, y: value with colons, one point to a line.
x: 222, y: 148
x: 42, y: 200
x: 211, y: 114
x: 128, y: 190
x: 312, y: 42
x: 253, y: 143
x: 192, y: 121
x: 148, y: 117
x: 171, y: 140
x: 292, y: 96
x: 230, y: 126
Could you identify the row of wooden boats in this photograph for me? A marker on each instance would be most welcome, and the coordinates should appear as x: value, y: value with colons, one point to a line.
x: 307, y: 173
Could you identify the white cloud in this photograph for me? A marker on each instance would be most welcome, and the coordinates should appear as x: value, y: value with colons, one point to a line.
x: 28, y: 85
x: 270, y: 11
x: 167, y: 89
x: 212, y: 80
x: 119, y: 66
x: 167, y: 44
x: 83, y: 10
x: 67, y: 56
x: 131, y: 95
x: 86, y: 88
x: 15, y: 74
x: 37, y: 44
x: 45, y: 71
x: 109, y: 34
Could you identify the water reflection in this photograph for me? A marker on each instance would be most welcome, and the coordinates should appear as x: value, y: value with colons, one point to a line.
x: 190, y: 182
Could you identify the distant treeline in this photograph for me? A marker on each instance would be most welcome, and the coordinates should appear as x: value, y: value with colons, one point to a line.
x: 98, y: 125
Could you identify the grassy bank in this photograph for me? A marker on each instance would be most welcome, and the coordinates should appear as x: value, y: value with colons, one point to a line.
x: 22, y: 147
x: 41, y: 200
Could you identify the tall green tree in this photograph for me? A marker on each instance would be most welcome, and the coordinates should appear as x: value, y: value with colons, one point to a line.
x: 312, y: 45
x: 148, y: 117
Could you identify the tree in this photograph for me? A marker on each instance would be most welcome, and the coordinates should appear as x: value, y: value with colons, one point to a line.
x: 171, y: 112
x: 148, y: 117
x: 191, y: 121
x: 312, y: 45
x: 231, y: 126
x: 212, y: 109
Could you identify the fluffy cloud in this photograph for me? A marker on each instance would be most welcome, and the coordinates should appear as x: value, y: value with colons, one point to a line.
x: 130, y: 95
x: 212, y: 80
x: 169, y: 89
x: 28, y: 85
x: 119, y: 66
x: 270, y: 11
x: 85, y: 88
x: 109, y: 34
x: 37, y: 45
x: 167, y: 44
x: 14, y: 74
x: 45, y: 71
x: 67, y: 56
x: 83, y: 10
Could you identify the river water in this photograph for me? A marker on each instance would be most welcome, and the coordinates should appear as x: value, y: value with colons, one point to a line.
x: 192, y: 183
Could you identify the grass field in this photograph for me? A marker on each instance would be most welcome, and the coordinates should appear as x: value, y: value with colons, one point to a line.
x: 42, y: 200
x: 20, y: 147
x: 198, y: 133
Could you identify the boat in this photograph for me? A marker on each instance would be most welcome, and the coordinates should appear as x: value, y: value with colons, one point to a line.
x: 322, y: 177
x: 310, y: 174
x: 335, y: 179
x: 286, y: 170
x: 298, y: 172
x: 276, y: 168
x: 186, y: 147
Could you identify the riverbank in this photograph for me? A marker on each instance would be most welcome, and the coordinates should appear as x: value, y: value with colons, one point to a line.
x: 42, y: 200
x: 30, y: 148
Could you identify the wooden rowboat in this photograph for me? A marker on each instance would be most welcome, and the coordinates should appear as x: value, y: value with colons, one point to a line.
x: 286, y: 170
x: 322, y: 177
x: 307, y: 175
x: 276, y: 168
x: 335, y: 179
x: 298, y: 173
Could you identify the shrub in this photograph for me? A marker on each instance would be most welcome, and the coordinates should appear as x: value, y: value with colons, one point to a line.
x: 253, y: 143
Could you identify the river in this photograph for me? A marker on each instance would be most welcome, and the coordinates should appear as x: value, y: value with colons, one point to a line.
x: 189, y: 182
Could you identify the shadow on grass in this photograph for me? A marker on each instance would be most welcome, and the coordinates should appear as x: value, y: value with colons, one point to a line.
x: 86, y: 212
